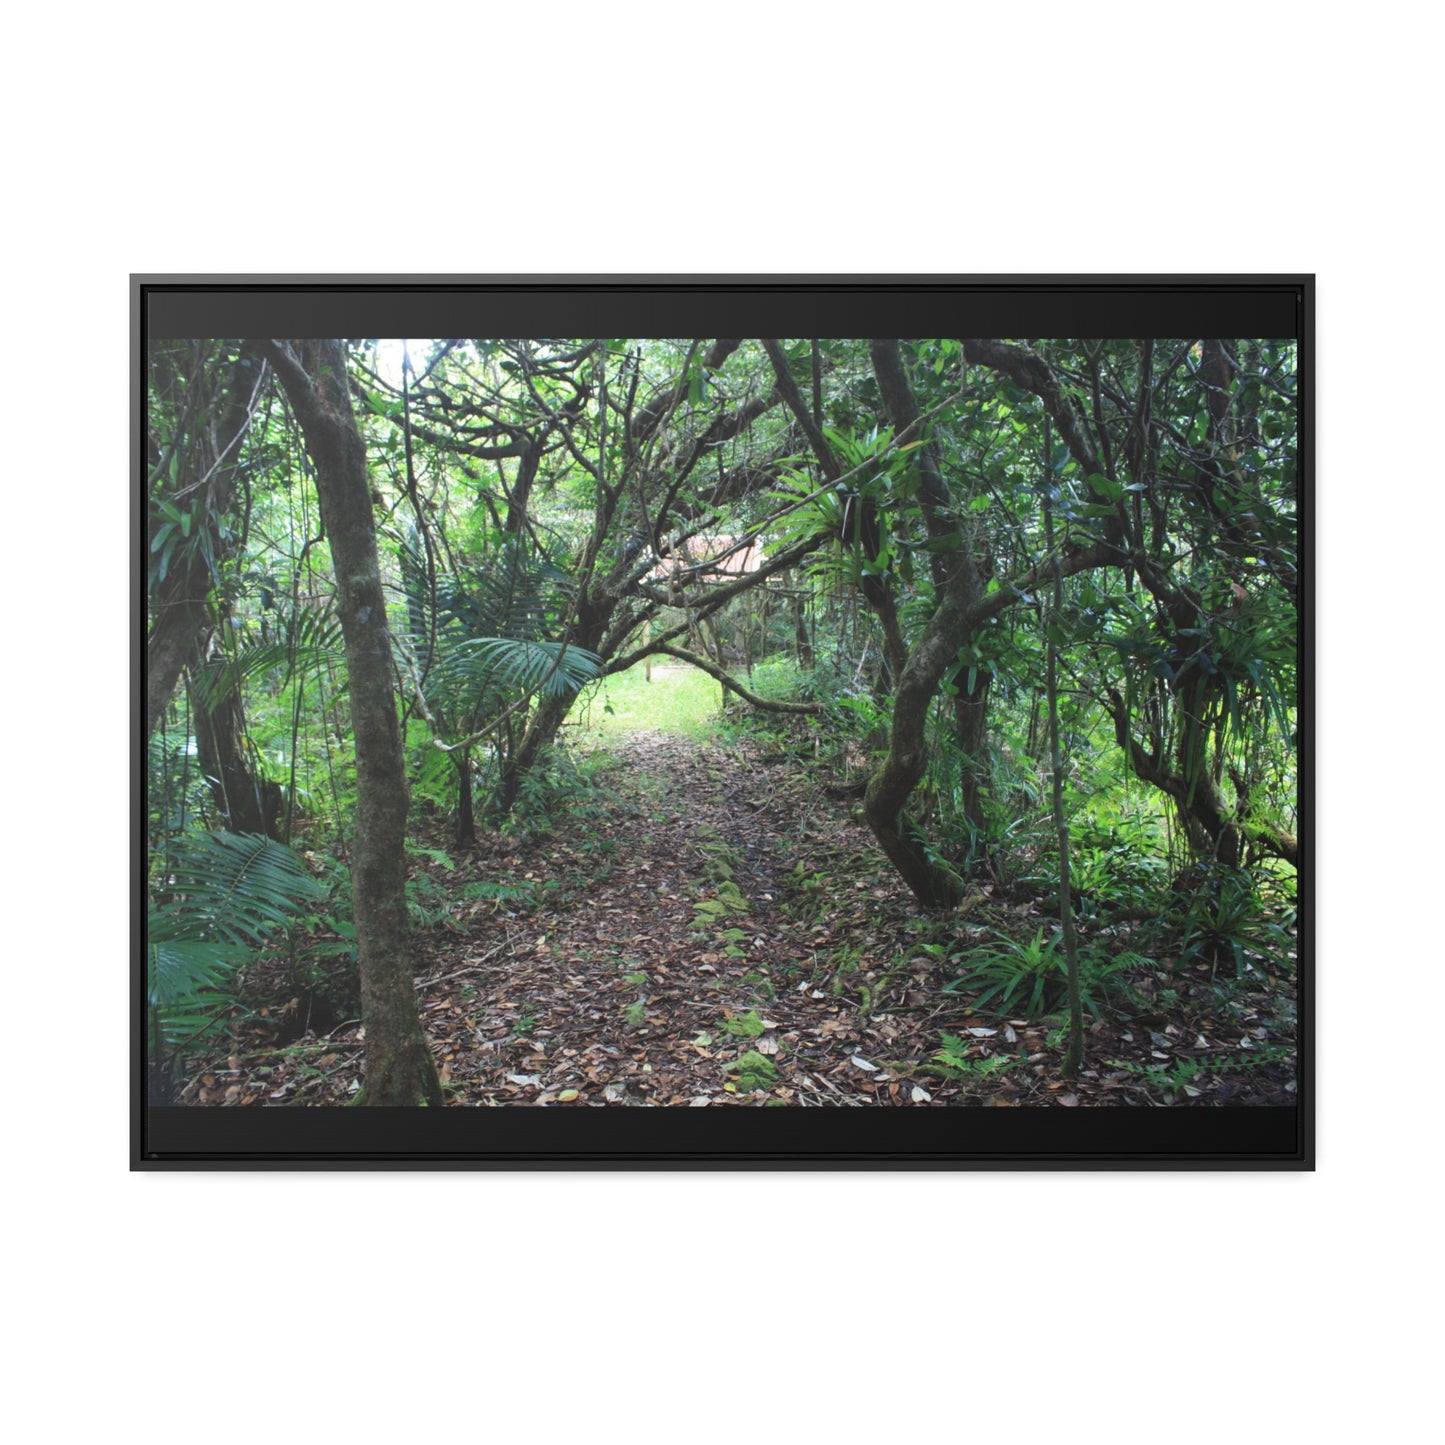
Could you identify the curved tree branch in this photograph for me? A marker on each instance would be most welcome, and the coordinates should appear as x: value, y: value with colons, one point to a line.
x: 809, y: 709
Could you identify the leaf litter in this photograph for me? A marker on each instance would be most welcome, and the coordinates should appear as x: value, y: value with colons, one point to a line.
x: 723, y: 933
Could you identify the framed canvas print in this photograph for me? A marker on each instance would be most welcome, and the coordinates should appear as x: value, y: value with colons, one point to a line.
x: 721, y: 722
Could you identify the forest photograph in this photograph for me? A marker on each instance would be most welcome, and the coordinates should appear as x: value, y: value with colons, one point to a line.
x: 572, y: 722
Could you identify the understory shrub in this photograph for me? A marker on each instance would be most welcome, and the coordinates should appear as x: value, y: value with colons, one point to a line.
x: 219, y: 897
x: 1030, y: 978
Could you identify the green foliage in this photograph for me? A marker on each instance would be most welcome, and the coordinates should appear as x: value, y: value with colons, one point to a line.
x: 180, y: 537
x: 332, y: 915
x: 679, y: 699
x: 782, y: 679
x: 712, y: 912
x: 434, y: 902
x: 754, y: 1071
x: 222, y: 896
x: 312, y: 644
x: 236, y: 888
x: 1236, y: 915
x: 1187, y: 1076
x: 520, y: 897
x: 1025, y: 978
x: 958, y: 1059
x: 475, y: 645
x: 188, y: 979
x: 428, y: 900
x: 1029, y: 978
x: 878, y: 476
x: 1116, y: 866
x: 1172, y: 1079
x: 559, y: 785
x: 432, y: 771
x: 176, y: 790
x: 479, y: 667
x: 871, y: 717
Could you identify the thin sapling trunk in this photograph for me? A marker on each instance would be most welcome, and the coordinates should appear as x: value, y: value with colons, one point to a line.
x: 1075, y: 1053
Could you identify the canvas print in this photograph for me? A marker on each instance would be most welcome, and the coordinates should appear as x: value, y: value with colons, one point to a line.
x: 881, y: 724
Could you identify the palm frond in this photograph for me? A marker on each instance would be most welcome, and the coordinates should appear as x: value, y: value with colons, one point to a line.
x: 180, y: 968
x: 482, y: 635
x: 313, y: 642
x: 551, y: 667
x: 514, y: 593
x: 234, y: 888
x: 226, y: 894
x: 515, y: 596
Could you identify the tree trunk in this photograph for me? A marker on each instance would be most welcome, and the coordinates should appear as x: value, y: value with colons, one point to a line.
x: 888, y: 790
x: 250, y: 804
x: 917, y: 681
x: 970, y: 708
x: 800, y: 634
x: 541, y: 729
x: 588, y: 631
x: 1201, y: 806
x: 970, y: 736
x: 205, y: 442
x: 466, y: 813
x: 399, y: 1067
x: 1074, y: 1054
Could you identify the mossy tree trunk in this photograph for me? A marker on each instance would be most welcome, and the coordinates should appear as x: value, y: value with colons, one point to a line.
x: 198, y: 414
x: 249, y: 803
x: 959, y: 584
x: 399, y: 1067
x: 1074, y: 1053
x: 934, y: 885
x: 466, y: 812
x: 970, y: 737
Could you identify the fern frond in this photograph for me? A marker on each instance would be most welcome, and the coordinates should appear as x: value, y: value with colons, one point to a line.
x: 313, y: 643
x: 232, y: 888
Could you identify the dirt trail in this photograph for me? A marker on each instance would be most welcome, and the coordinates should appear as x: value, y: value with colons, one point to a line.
x: 707, y: 926
x: 692, y: 965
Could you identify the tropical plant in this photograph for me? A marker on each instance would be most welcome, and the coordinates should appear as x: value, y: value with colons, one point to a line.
x: 1025, y: 978
x: 309, y: 642
x: 220, y: 897
x: 1113, y: 866
x: 1030, y: 978
x: 476, y: 648
x: 1227, y: 917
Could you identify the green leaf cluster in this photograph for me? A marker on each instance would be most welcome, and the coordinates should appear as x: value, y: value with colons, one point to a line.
x: 222, y: 895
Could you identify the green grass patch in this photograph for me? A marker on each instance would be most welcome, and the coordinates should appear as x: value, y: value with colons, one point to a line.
x: 679, y: 699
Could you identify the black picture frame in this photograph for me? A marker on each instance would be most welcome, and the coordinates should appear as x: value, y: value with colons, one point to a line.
x: 518, y: 1137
